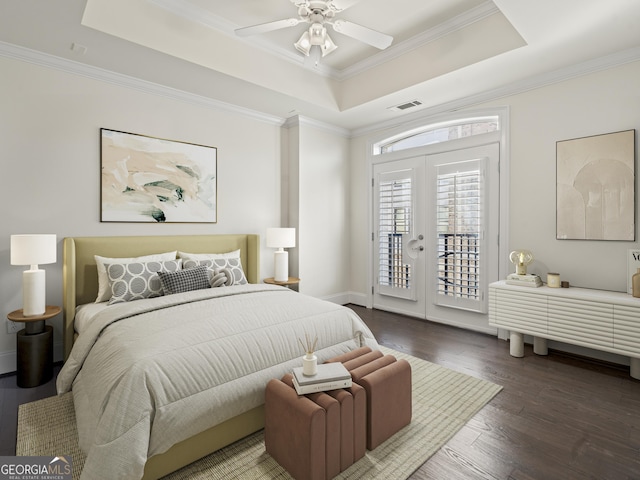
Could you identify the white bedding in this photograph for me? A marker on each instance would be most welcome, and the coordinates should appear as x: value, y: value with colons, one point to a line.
x: 150, y: 373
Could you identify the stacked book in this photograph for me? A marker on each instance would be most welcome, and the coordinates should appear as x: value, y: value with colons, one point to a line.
x: 329, y: 376
x: 528, y: 280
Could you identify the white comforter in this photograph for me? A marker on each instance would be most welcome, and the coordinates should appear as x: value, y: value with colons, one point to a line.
x: 150, y: 373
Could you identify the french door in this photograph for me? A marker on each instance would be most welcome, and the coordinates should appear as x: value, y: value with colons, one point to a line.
x: 436, y: 235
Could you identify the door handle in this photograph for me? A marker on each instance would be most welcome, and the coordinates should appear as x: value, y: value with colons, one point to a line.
x: 420, y: 248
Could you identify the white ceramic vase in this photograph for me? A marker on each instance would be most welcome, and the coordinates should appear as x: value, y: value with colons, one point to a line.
x: 309, y: 364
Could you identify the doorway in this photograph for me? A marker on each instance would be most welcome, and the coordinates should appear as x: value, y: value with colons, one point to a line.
x: 436, y: 234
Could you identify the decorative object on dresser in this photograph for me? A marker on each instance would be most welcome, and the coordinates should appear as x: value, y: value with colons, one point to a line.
x: 633, y: 264
x: 281, y: 238
x: 596, y: 187
x: 596, y: 319
x: 33, y: 250
x: 146, y: 179
x: 522, y: 258
x: 636, y: 284
x: 553, y: 280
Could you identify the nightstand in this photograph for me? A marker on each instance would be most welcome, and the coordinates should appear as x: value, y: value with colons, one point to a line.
x: 34, y: 347
x: 291, y: 281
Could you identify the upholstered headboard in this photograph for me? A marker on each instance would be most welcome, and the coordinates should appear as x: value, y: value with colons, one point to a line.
x: 80, y: 275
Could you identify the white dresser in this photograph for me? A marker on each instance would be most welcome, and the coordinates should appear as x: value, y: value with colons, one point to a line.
x: 598, y: 319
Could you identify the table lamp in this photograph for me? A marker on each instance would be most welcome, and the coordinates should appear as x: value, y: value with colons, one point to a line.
x: 281, y: 238
x: 33, y: 250
x: 521, y: 258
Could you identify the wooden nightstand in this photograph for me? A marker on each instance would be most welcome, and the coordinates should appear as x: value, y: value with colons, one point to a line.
x: 34, y: 347
x: 291, y: 281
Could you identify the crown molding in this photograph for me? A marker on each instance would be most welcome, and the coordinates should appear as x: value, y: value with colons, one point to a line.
x: 578, y: 70
x: 299, y: 120
x: 96, y: 73
x: 49, y: 61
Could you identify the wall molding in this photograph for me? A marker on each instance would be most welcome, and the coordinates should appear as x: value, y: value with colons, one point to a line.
x: 585, y: 68
x: 299, y: 120
x: 550, y: 78
x: 35, y: 57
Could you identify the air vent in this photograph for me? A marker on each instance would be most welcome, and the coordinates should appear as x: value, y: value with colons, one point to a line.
x: 405, y: 106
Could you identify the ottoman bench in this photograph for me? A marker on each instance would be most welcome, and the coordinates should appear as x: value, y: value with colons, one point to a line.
x: 314, y: 436
x: 387, y: 383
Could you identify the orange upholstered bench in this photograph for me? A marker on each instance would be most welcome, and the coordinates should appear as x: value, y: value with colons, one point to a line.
x: 387, y: 383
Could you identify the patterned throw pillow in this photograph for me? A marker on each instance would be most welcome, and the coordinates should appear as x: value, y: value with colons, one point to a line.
x: 135, y: 281
x: 233, y: 265
x: 186, y: 280
x: 104, y: 288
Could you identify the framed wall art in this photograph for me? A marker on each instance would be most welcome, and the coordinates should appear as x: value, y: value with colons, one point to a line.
x: 147, y: 179
x: 595, y: 196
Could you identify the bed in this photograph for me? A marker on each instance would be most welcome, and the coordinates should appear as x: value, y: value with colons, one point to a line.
x: 190, y: 365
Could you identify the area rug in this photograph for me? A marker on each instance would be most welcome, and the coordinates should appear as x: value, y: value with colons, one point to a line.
x: 443, y: 401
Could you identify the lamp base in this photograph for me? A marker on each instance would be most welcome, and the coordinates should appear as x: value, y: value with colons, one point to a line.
x: 281, y: 264
x: 33, y: 292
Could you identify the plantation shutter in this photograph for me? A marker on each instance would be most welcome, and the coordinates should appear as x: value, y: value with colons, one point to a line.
x: 395, y: 229
x: 460, y: 216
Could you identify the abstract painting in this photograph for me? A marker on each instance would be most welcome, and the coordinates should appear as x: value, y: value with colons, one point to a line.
x: 596, y: 187
x: 146, y: 179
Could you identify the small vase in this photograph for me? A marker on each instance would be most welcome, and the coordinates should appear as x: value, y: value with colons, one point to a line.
x: 635, y: 281
x: 309, y: 364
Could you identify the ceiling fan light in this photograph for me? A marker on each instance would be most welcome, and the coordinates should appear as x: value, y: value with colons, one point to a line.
x: 328, y: 46
x: 303, y: 45
x: 317, y: 34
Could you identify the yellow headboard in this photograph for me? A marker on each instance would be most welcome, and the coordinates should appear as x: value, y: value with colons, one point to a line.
x: 80, y: 275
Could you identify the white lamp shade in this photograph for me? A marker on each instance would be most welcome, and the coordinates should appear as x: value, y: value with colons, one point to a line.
x: 33, y: 249
x: 281, y: 237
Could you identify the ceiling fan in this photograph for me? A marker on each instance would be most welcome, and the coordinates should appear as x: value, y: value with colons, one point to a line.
x: 318, y: 14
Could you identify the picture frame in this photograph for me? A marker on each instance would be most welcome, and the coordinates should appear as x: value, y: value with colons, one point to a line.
x: 595, y: 189
x: 153, y: 180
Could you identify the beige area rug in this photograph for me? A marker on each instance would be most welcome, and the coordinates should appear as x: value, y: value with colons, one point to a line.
x: 443, y: 401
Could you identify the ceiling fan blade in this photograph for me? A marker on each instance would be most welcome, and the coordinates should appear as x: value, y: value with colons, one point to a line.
x: 343, y: 4
x: 364, y: 34
x: 267, y: 27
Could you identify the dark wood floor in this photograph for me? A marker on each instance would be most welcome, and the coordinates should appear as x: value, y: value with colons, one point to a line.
x: 558, y: 417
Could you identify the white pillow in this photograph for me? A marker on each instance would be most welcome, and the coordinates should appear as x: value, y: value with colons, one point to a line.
x: 208, y: 256
x: 104, y: 289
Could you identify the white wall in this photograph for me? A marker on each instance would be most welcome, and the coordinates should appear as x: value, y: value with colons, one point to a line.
x: 597, y: 103
x: 319, y: 209
x: 602, y: 102
x: 49, y: 152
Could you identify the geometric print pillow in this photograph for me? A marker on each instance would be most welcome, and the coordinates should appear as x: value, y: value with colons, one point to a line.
x: 184, y: 280
x: 234, y: 265
x: 135, y: 281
